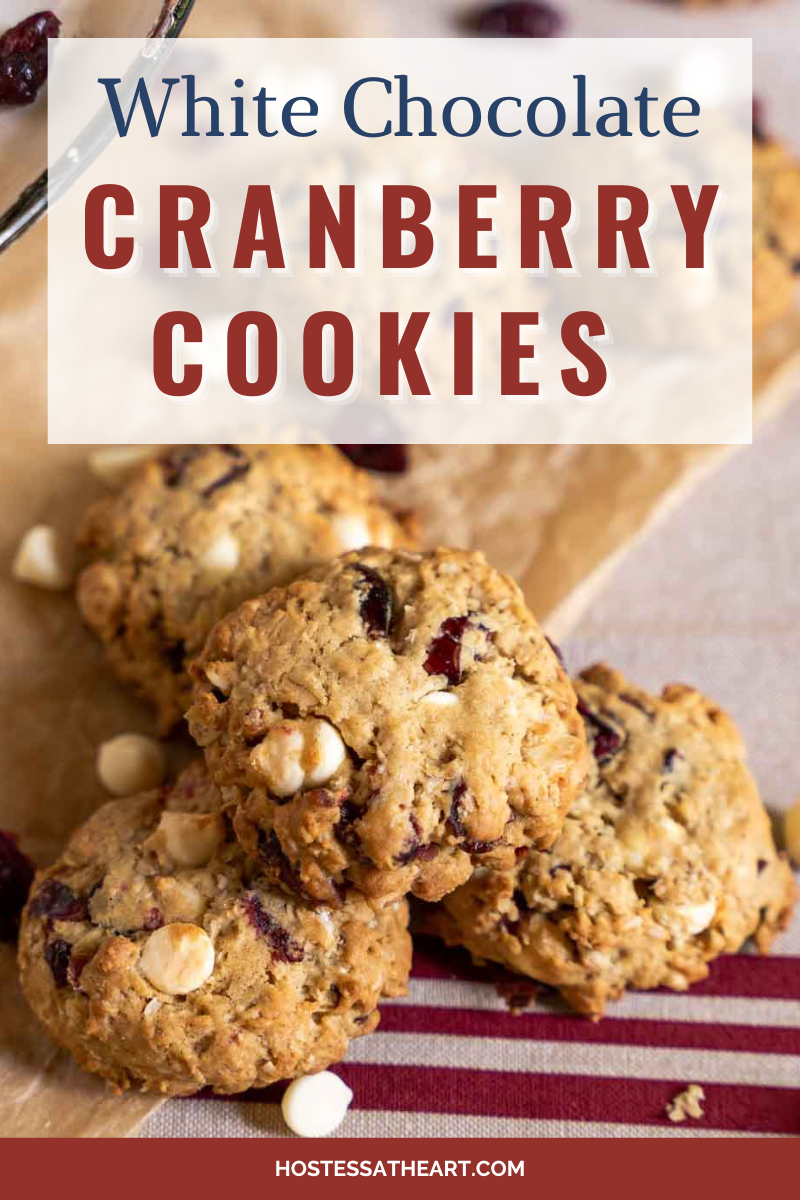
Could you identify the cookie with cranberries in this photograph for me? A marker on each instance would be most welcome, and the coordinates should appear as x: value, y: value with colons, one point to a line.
x: 666, y: 859
x: 196, y: 530
x: 388, y: 722
x: 163, y: 958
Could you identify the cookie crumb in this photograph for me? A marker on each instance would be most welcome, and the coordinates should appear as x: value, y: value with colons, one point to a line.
x: 791, y: 833
x: 687, y: 1103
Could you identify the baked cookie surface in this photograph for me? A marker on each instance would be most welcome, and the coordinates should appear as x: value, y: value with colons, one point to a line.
x: 666, y: 859
x: 387, y: 722
x: 161, y: 957
x: 776, y: 229
x: 198, y: 529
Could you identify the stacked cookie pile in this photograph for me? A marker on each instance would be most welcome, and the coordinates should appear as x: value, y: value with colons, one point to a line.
x: 373, y: 722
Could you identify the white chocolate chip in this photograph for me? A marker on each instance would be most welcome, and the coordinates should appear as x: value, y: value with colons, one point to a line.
x: 177, y: 959
x: 151, y: 1008
x: 683, y: 919
x: 440, y: 699
x: 130, y: 763
x: 44, y: 558
x: 315, y: 1105
x: 113, y: 464
x: 351, y: 531
x: 323, y: 753
x: 294, y: 756
x: 187, y: 839
x: 220, y: 559
x: 791, y: 832
x: 277, y: 760
x: 699, y: 916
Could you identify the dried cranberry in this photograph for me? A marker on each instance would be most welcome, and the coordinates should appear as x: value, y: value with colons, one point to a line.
x: 16, y: 877
x: 444, y: 652
x: 154, y: 919
x: 556, y: 650
x: 57, y: 954
x: 425, y: 853
x: 606, y: 741
x: 284, y: 948
x: 23, y: 58
x: 348, y: 815
x: 237, y: 471
x: 634, y: 702
x: 416, y: 852
x: 176, y: 461
x: 75, y: 969
x: 761, y: 865
x: 57, y: 902
x: 454, y: 820
x: 30, y: 36
x: 473, y: 847
x: 518, y: 18
x: 269, y: 849
x: 413, y: 844
x: 376, y: 603
x: 670, y: 758
x: 606, y: 744
x: 391, y: 460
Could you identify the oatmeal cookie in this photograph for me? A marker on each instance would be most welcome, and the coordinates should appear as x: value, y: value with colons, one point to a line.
x: 198, y: 529
x: 776, y: 229
x: 666, y: 859
x: 389, y: 721
x: 159, y: 955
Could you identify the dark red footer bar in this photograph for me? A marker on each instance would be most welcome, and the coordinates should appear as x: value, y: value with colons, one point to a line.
x: 487, y: 1168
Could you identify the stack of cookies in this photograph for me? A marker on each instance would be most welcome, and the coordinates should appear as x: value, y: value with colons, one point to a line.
x: 373, y: 723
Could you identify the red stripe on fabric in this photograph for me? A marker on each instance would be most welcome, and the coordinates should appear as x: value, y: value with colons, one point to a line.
x: 743, y: 975
x: 539, y: 1027
x: 752, y: 976
x: 462, y: 1092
